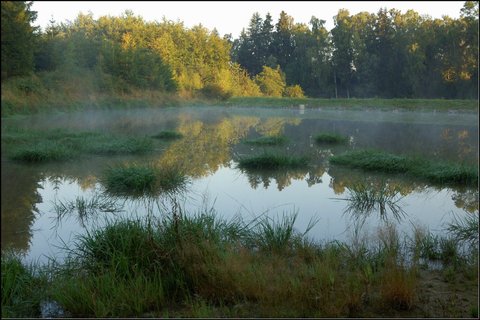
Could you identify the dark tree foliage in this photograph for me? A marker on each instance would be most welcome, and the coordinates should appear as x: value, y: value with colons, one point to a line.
x: 17, y: 38
x: 387, y: 54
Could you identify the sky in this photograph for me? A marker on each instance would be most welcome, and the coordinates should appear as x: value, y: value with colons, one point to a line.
x: 231, y: 16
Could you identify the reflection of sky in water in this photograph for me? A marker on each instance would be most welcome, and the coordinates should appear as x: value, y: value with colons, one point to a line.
x: 229, y: 192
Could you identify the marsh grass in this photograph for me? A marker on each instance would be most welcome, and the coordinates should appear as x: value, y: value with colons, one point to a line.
x: 108, y: 294
x: 60, y: 144
x: 330, y: 138
x: 465, y: 228
x: 390, y: 163
x: 272, y: 161
x: 137, y: 180
x: 118, y: 145
x: 168, y: 135
x: 200, y: 264
x: 22, y: 290
x: 42, y: 152
x: 267, y: 141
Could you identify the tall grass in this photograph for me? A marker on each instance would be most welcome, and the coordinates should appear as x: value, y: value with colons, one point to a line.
x: 22, y: 291
x: 200, y: 264
x: 465, y: 228
x: 386, y: 162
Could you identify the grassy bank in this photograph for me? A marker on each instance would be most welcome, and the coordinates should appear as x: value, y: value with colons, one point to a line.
x: 77, y: 90
x: 204, y: 266
x: 82, y: 89
x: 357, y: 104
x: 436, y: 172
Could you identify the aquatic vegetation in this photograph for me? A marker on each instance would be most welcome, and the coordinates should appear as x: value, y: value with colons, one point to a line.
x: 42, y: 152
x: 137, y: 179
x: 465, y: 228
x: 330, y: 138
x: 22, y: 291
x: 168, y: 135
x: 59, y: 144
x: 120, y: 146
x: 267, y: 140
x: 190, y: 264
x: 385, y: 162
x: 277, y: 234
x: 272, y: 161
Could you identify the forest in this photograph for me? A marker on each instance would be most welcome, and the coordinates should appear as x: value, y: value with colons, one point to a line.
x: 387, y: 54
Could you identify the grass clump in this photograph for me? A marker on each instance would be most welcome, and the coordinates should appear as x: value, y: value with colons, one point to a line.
x: 272, y: 161
x: 21, y: 290
x: 465, y: 228
x: 330, y: 138
x: 120, y: 146
x: 267, y: 140
x: 386, y: 162
x: 168, y: 135
x: 43, y: 152
x: 142, y: 179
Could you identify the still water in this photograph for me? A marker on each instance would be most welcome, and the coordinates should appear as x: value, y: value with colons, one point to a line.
x: 209, y: 151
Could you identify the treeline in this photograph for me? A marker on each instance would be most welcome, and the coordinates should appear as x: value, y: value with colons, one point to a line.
x: 387, y: 54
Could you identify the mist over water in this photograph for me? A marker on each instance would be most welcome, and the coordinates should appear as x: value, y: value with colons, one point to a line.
x: 209, y: 151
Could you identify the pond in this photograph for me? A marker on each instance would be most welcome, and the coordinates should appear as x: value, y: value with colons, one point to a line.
x: 214, y: 139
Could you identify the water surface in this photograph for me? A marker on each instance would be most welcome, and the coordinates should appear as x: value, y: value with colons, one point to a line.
x: 209, y: 152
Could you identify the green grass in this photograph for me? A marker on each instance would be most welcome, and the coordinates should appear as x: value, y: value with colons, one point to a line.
x: 381, y: 104
x: 330, y: 138
x: 118, y: 145
x: 272, y: 161
x: 267, y: 140
x: 42, y: 152
x: 22, y: 291
x: 60, y: 144
x: 168, y: 135
x: 203, y: 265
x: 465, y: 228
x: 142, y: 179
x: 436, y: 172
